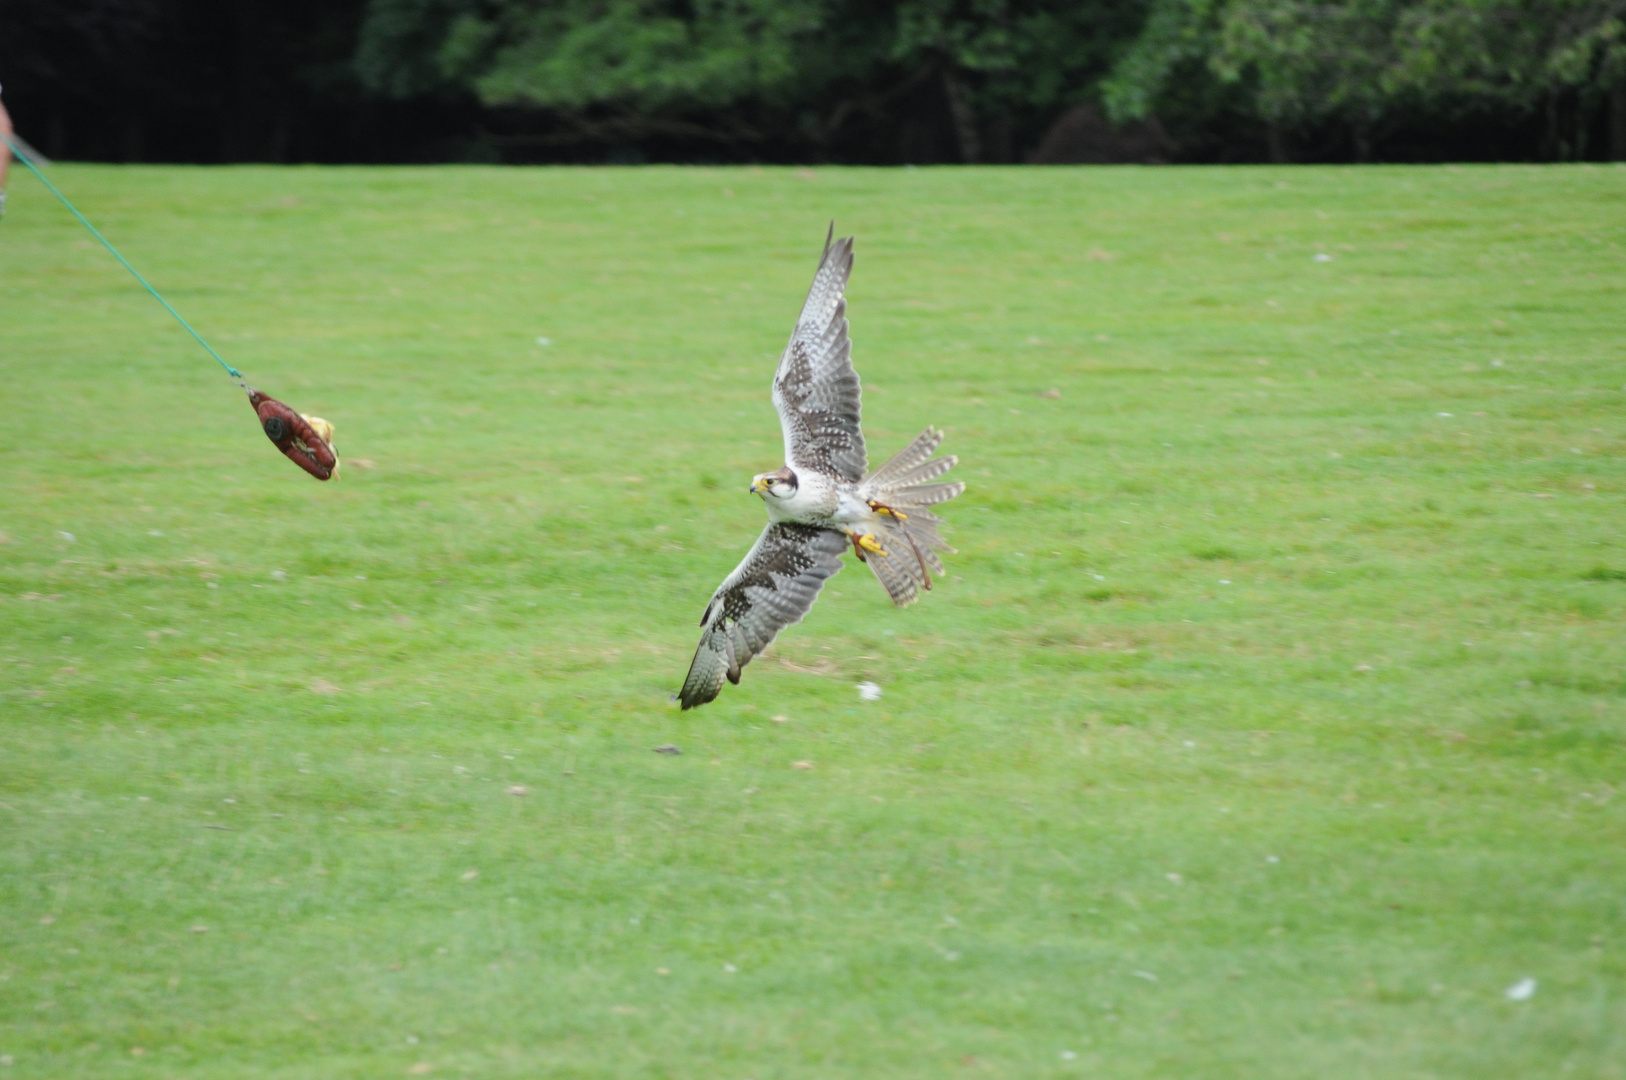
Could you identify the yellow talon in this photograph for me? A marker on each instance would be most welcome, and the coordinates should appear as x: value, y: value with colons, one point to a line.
x: 870, y: 544
x: 888, y: 511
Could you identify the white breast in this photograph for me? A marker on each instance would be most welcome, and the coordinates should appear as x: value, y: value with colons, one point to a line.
x: 850, y: 509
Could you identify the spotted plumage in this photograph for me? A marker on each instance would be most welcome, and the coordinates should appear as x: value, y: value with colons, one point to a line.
x: 822, y: 501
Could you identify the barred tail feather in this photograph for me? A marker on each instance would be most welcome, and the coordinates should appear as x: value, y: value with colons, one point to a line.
x: 891, y: 474
x: 930, y: 470
x: 898, y: 571
x: 910, y: 561
x: 923, y: 495
x: 911, y: 544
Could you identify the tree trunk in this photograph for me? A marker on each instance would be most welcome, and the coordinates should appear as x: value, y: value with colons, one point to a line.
x: 1584, y: 105
x: 281, y: 135
x: 965, y: 122
x: 1617, y: 123
x: 252, y: 93
x: 1553, y: 140
x: 1277, y: 144
x: 1002, y: 139
x: 132, y: 139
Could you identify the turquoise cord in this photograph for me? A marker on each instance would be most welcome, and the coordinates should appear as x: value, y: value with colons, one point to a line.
x: 22, y: 157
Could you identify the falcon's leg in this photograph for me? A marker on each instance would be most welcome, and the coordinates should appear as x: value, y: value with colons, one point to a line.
x: 925, y: 572
x: 887, y: 511
x: 863, y: 543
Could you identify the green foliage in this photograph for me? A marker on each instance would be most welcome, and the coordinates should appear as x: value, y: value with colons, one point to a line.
x: 1270, y: 725
x: 1307, y: 61
x: 1030, y: 52
x: 641, y: 53
x: 1364, y: 65
x: 406, y: 47
x: 1363, y: 62
x: 821, y: 60
x: 1515, y: 51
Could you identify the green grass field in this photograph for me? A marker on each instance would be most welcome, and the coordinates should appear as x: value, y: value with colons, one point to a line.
x: 1271, y: 723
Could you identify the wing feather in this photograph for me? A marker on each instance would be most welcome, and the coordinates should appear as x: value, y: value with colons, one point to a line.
x: 816, y: 390
x: 773, y: 587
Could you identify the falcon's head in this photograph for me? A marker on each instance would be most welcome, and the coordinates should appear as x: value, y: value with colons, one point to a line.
x: 774, y: 485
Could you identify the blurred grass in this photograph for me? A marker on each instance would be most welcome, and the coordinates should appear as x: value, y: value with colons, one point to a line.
x: 1270, y: 724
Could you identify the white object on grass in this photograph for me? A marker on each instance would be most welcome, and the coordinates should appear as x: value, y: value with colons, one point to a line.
x: 868, y: 691
x: 1523, y: 990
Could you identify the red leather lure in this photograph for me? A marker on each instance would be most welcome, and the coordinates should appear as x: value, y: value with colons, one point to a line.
x: 295, y: 436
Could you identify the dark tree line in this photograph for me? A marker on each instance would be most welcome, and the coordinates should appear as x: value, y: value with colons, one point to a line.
x: 884, y: 81
x: 1364, y: 78
x: 204, y: 81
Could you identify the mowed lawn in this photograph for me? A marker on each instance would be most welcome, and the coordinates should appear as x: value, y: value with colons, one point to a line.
x: 1271, y: 722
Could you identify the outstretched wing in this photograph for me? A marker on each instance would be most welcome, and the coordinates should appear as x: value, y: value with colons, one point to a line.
x: 815, y: 389
x: 770, y: 590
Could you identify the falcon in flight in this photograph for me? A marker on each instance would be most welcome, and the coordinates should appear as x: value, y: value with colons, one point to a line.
x: 823, y: 500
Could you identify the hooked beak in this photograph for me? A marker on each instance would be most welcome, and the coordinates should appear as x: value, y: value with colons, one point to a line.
x: 757, y: 486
